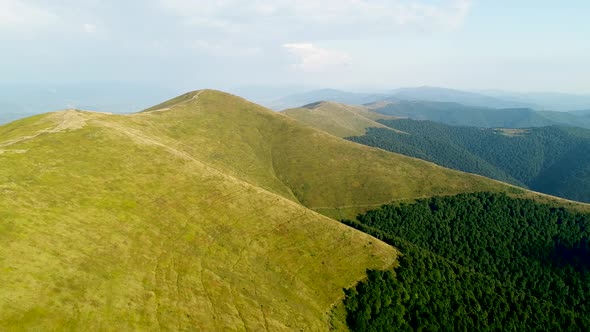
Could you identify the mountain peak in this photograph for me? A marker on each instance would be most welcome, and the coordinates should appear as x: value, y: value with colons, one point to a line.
x: 324, y: 103
x: 197, y: 96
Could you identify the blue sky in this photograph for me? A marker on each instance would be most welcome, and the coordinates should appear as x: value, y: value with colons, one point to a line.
x: 354, y: 44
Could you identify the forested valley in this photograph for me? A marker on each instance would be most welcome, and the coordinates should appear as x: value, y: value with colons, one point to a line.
x: 553, y: 160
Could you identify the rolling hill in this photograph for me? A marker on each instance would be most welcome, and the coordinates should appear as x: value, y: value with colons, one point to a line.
x: 337, y: 119
x: 309, y: 97
x: 197, y: 213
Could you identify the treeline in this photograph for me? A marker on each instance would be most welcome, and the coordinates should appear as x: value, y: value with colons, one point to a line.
x: 476, y: 262
x: 552, y: 160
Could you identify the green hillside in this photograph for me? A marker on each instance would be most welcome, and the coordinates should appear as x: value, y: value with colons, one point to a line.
x: 553, y: 160
x: 193, y: 215
x: 337, y: 119
x: 106, y: 227
x: 289, y: 158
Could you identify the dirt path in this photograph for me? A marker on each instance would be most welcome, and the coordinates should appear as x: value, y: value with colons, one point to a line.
x: 66, y: 120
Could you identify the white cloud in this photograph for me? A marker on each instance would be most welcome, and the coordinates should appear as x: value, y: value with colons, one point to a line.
x: 24, y: 14
x: 315, y: 59
x: 325, y: 19
x: 89, y: 28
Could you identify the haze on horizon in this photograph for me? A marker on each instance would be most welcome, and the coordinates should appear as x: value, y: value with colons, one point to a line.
x: 347, y: 44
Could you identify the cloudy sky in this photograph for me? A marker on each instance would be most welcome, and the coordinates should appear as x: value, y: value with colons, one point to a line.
x: 522, y: 45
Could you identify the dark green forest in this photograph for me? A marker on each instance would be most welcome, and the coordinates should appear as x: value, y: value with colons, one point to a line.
x: 553, y: 160
x: 483, y: 261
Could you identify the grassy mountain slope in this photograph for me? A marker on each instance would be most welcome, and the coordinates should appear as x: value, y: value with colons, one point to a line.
x: 106, y: 227
x: 476, y: 151
x: 337, y: 119
x: 298, y: 162
x: 193, y: 215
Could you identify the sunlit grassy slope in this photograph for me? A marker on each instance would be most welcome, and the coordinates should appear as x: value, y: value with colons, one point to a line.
x: 193, y: 215
x: 337, y: 119
x: 288, y: 157
x: 105, y: 227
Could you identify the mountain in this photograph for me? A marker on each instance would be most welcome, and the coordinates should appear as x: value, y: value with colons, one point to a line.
x: 196, y: 214
x: 550, y: 159
x: 309, y: 97
x: 435, y: 94
x: 337, y: 119
x: 541, y: 101
x: 462, y: 115
x: 10, y: 112
x: 546, y: 100
x: 7, y: 117
x: 572, y: 119
x: 553, y: 160
x: 584, y: 113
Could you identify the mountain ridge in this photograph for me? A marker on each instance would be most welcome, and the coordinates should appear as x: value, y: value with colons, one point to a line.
x: 200, y: 216
x: 338, y: 119
x: 127, y: 203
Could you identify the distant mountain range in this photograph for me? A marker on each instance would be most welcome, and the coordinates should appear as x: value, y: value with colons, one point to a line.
x: 339, y: 96
x: 21, y: 101
x: 457, y: 96
x: 450, y: 106
x: 490, y: 99
x: 461, y: 115
x: 545, y: 100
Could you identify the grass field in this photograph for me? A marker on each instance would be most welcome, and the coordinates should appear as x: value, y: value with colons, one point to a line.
x: 338, y: 119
